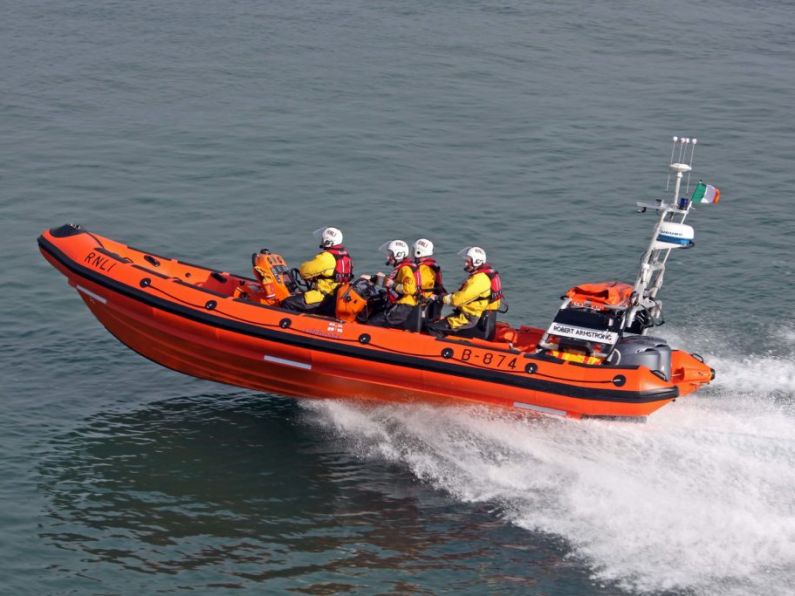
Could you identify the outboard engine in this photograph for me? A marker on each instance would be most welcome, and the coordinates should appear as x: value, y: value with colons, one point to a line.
x: 642, y: 350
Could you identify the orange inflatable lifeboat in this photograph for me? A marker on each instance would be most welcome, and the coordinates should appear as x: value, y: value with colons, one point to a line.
x: 229, y: 328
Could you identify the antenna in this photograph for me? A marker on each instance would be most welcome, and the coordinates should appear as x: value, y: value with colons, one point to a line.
x: 692, y: 153
x: 684, y: 157
x: 669, y: 233
x: 673, y: 148
x: 680, y: 167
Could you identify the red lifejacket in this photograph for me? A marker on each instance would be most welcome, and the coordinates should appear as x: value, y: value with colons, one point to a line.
x: 407, y: 262
x: 438, y: 284
x: 343, y: 270
x: 496, y: 284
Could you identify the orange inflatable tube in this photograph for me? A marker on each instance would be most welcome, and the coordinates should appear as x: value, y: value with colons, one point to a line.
x: 227, y: 328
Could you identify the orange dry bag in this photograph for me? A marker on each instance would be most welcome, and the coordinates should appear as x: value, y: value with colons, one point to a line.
x: 349, y: 303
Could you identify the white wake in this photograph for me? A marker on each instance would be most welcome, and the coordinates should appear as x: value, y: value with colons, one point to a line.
x: 701, y: 498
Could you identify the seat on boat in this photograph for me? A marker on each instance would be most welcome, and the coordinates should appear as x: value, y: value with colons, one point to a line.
x: 415, y: 322
x: 485, y: 328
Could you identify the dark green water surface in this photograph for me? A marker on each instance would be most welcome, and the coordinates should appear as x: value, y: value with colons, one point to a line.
x: 208, y: 130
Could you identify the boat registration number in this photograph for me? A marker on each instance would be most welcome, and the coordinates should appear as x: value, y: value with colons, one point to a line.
x: 496, y: 360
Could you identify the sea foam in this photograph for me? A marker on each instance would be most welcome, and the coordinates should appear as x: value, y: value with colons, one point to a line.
x: 699, y: 499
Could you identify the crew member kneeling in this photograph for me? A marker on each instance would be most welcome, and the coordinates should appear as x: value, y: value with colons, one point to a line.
x: 401, y: 286
x: 324, y: 273
x: 480, y: 294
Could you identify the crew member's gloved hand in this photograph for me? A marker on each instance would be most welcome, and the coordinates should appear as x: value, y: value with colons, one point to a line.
x: 448, y: 299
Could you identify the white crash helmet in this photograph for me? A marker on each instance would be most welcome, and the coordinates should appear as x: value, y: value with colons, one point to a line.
x: 423, y: 248
x: 395, y: 249
x: 474, y: 253
x: 328, y: 236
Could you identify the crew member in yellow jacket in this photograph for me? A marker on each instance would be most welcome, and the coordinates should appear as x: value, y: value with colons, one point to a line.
x: 402, y: 288
x: 480, y: 293
x: 323, y: 273
x: 431, y: 283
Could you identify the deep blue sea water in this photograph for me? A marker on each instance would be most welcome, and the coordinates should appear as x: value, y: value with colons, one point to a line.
x: 209, y: 130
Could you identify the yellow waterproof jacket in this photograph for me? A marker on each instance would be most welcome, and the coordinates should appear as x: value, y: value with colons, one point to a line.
x: 428, y: 280
x: 320, y: 272
x: 471, y: 300
x: 405, y: 286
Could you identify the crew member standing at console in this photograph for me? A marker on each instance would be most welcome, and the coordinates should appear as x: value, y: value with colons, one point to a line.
x: 401, y: 286
x: 430, y: 277
x: 324, y: 273
x: 479, y: 296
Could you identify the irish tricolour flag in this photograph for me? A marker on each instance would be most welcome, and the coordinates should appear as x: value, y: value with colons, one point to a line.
x: 705, y: 193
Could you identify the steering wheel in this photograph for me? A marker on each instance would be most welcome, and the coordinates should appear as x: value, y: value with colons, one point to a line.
x: 298, y: 282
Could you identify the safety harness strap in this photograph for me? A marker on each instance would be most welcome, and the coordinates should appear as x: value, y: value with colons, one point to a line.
x: 438, y: 284
x: 495, y: 291
x: 343, y: 268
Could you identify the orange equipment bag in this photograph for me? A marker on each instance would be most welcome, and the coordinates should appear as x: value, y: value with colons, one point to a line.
x: 601, y: 295
x: 349, y: 303
x: 571, y: 356
x: 271, y: 271
x: 524, y: 339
